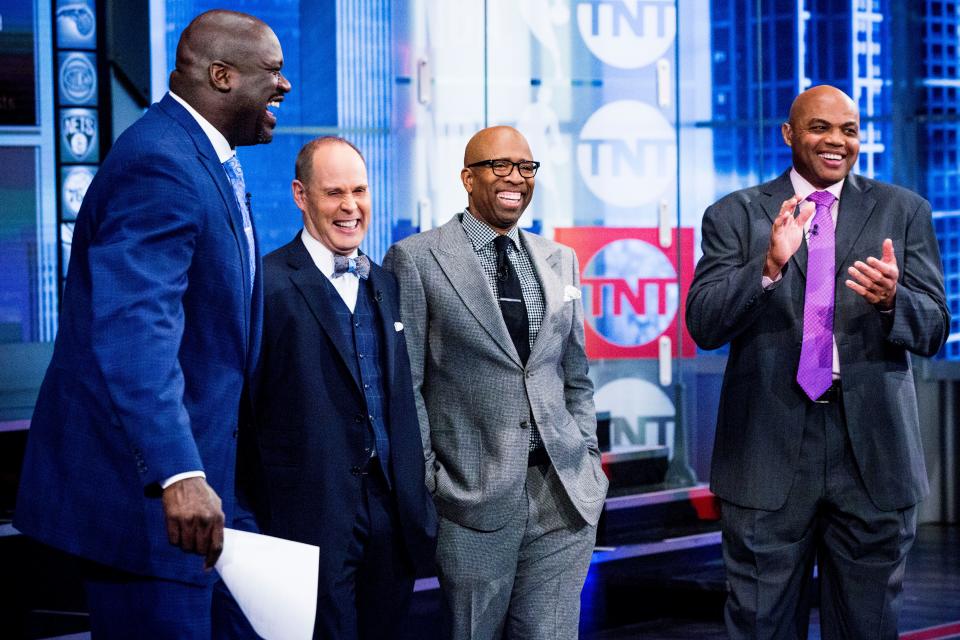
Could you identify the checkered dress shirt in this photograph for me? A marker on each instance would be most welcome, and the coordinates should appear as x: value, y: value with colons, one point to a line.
x: 482, y: 237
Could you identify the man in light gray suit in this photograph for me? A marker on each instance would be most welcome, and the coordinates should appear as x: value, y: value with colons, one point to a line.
x: 817, y: 454
x: 494, y: 328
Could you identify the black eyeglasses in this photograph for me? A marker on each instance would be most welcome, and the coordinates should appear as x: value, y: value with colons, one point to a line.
x: 503, y: 168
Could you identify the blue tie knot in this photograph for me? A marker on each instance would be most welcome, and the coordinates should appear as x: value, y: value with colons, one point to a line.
x: 359, y: 266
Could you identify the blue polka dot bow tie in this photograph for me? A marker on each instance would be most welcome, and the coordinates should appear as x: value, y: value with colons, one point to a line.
x: 359, y: 266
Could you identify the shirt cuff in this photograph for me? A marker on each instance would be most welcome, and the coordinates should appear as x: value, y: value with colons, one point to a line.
x: 182, y: 476
x: 767, y: 282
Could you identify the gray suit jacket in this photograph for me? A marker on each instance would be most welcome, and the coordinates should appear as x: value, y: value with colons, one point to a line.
x: 761, y: 416
x: 474, y: 397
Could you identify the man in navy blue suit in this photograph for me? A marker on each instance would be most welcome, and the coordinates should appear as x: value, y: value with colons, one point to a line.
x: 131, y: 455
x: 336, y: 458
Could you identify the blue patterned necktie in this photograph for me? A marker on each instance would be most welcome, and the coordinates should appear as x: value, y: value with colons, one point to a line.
x: 815, y: 373
x: 359, y: 266
x: 235, y: 175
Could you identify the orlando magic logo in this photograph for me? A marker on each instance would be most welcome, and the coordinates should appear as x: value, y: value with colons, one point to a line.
x: 627, y: 33
x: 78, y: 79
x: 631, y: 293
x: 76, y: 24
x: 78, y: 135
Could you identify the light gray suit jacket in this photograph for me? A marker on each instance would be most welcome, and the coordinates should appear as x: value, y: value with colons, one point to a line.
x: 474, y: 396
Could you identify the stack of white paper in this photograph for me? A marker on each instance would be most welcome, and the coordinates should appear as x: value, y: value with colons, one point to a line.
x: 274, y: 581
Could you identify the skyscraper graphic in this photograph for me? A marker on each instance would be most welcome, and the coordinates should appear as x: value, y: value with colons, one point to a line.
x: 940, y: 72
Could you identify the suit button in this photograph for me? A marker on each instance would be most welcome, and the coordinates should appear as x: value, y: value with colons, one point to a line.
x: 524, y: 424
x: 357, y: 323
x: 529, y: 374
x: 360, y: 355
x: 356, y: 470
x: 358, y: 418
x: 370, y: 418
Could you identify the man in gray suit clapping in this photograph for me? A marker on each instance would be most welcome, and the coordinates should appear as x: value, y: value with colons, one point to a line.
x: 494, y: 328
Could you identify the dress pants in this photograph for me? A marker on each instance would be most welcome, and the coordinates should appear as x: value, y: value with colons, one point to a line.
x: 371, y: 593
x: 828, y: 518
x: 523, y: 580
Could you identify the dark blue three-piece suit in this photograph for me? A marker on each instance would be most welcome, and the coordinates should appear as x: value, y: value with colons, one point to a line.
x: 332, y: 386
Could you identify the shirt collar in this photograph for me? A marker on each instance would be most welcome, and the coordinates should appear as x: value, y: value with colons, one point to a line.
x: 803, y: 188
x: 322, y: 256
x: 220, y: 144
x: 481, y: 234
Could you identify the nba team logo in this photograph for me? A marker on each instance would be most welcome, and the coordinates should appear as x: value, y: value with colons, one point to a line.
x: 76, y: 24
x: 641, y: 414
x: 633, y: 290
x: 627, y: 153
x: 78, y: 79
x: 76, y: 181
x: 627, y: 33
x: 78, y: 135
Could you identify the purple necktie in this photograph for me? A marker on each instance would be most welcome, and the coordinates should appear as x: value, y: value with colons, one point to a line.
x: 815, y: 374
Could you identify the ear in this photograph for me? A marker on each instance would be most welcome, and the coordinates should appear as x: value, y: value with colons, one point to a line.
x: 219, y: 73
x: 787, y: 132
x: 299, y: 194
x: 466, y: 177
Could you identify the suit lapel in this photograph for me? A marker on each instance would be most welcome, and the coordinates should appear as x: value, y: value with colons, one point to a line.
x: 856, y: 207
x: 546, y: 262
x: 775, y: 192
x: 207, y: 156
x: 319, y: 294
x: 454, y: 253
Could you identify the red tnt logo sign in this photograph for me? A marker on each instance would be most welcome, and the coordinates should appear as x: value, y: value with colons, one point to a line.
x: 633, y: 290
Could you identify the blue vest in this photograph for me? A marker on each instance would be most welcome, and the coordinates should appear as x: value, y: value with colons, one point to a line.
x: 362, y: 331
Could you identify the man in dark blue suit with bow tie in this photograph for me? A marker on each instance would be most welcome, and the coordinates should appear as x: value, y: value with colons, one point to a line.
x: 335, y: 457
x: 131, y: 455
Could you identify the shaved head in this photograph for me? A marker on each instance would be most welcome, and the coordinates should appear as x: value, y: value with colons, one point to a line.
x: 211, y: 36
x: 228, y: 69
x: 481, y: 144
x: 823, y: 134
x: 816, y: 95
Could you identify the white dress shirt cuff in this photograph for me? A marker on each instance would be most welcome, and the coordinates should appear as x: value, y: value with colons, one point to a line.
x: 182, y: 476
x: 769, y: 282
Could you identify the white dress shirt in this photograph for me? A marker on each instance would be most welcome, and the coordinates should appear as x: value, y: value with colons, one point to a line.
x: 347, y: 285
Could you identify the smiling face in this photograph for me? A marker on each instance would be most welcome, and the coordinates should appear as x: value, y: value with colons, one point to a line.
x: 335, y: 199
x: 256, y: 87
x: 824, y: 134
x: 497, y: 201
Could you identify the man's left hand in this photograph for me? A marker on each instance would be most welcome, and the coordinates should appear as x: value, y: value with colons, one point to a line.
x: 876, y: 280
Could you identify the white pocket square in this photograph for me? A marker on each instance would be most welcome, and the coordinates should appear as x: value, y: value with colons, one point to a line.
x: 398, y: 326
x: 570, y: 292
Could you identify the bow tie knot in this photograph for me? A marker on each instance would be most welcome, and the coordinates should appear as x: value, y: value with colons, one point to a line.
x: 360, y: 266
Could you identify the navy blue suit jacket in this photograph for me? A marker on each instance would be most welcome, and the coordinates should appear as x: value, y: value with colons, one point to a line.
x: 159, y: 333
x: 762, y: 408
x: 310, y: 417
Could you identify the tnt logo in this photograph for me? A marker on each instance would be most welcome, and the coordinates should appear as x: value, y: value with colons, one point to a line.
x: 641, y: 415
x: 627, y: 33
x: 633, y: 291
x: 627, y: 154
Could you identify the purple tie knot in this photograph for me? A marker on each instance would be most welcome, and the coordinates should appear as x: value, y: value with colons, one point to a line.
x: 821, y: 198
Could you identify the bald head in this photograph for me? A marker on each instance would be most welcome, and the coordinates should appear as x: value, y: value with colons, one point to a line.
x: 212, y: 36
x: 228, y: 69
x: 481, y: 145
x: 821, y: 95
x: 824, y: 135
x: 498, y: 201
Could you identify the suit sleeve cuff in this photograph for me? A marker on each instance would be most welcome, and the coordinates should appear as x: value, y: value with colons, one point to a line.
x: 182, y: 476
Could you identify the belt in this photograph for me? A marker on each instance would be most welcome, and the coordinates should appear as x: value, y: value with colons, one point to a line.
x: 538, y: 457
x: 832, y: 395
